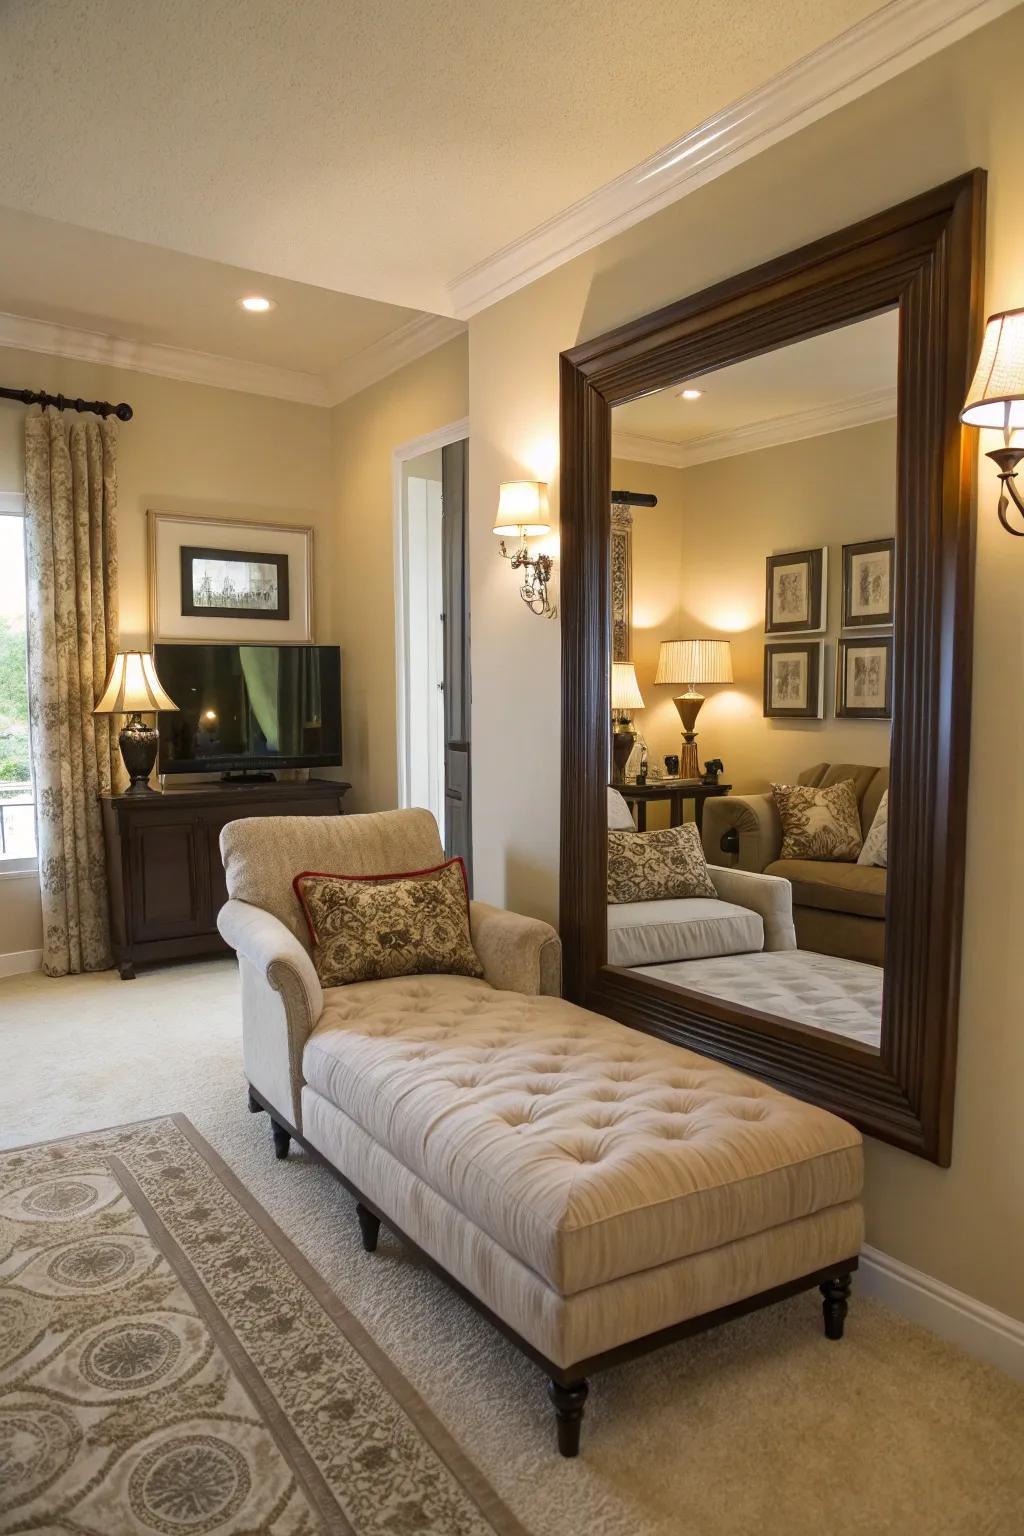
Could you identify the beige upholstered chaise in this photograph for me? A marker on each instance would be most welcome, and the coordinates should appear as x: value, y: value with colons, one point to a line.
x: 593, y: 1190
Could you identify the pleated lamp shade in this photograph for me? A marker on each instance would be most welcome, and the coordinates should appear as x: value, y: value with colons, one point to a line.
x: 625, y: 688
x: 996, y: 395
x: 694, y: 661
x: 133, y: 687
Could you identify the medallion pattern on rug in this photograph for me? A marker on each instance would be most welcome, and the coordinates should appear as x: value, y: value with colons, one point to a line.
x: 168, y: 1365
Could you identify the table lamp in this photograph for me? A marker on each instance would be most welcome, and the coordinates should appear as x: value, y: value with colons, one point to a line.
x: 692, y: 662
x: 626, y: 695
x: 133, y: 689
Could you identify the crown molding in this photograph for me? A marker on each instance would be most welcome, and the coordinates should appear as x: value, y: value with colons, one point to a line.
x: 877, y: 405
x: 891, y: 40
x: 406, y: 345
x: 165, y: 362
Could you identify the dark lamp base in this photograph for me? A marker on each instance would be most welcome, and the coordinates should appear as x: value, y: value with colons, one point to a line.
x: 138, y: 743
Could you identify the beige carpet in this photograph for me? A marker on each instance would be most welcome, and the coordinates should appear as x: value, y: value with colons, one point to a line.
x: 759, y: 1427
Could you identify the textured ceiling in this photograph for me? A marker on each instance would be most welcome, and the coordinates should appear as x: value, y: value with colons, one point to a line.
x: 837, y: 367
x: 374, y: 149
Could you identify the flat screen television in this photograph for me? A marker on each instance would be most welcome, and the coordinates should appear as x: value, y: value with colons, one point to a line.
x: 245, y: 708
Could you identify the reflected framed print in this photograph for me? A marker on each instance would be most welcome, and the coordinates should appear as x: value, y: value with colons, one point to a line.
x: 793, y: 677
x: 864, y: 678
x: 868, y: 590
x: 796, y: 592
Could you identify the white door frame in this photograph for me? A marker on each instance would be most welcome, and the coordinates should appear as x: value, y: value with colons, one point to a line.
x: 455, y: 432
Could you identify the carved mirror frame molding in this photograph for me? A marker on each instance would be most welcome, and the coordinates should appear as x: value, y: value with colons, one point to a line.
x: 926, y: 256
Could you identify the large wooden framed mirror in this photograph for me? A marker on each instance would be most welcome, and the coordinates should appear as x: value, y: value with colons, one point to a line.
x: 813, y: 521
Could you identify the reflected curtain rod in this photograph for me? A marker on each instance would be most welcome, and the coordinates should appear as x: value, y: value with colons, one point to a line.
x: 103, y: 408
x: 633, y: 499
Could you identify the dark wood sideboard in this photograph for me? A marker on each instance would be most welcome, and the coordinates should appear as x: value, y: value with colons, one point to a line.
x: 163, y: 861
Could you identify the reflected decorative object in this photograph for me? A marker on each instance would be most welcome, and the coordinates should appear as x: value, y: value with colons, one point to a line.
x: 692, y: 662
x: 622, y: 581
x: 133, y: 689
x: 523, y: 511
x: 626, y: 696
x: 869, y: 597
x: 864, y: 678
x: 996, y: 399
x: 796, y: 592
x: 793, y: 678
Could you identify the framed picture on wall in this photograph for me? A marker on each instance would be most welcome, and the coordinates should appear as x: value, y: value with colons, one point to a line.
x: 222, y: 579
x: 796, y: 593
x: 868, y: 592
x: 793, y: 678
x: 864, y: 678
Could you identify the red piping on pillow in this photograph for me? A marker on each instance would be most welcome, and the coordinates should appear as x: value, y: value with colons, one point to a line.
x: 405, y: 874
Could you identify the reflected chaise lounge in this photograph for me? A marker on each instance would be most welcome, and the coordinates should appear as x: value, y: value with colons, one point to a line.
x: 594, y: 1191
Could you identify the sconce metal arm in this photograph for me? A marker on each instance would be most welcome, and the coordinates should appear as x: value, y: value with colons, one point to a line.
x: 534, y: 590
x: 1007, y: 459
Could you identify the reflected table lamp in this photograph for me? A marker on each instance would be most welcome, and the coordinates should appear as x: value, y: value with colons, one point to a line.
x: 692, y: 662
x: 133, y: 689
x: 626, y: 696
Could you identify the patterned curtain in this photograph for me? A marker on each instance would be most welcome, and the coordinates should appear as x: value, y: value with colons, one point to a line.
x: 71, y: 528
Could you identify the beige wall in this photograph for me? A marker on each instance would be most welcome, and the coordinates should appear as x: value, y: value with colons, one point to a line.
x: 958, y: 110
x: 426, y: 396
x: 699, y: 569
x: 189, y: 449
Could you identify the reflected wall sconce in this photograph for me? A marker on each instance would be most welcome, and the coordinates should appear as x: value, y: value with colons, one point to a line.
x: 626, y: 695
x: 691, y: 662
x: 996, y: 399
x: 523, y: 514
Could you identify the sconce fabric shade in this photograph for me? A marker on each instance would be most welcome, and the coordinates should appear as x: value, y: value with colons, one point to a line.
x: 523, y: 508
x: 996, y: 395
x: 133, y: 687
x: 694, y: 661
x: 625, y: 688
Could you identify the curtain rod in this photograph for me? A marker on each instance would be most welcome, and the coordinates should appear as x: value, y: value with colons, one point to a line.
x: 634, y: 499
x: 40, y: 397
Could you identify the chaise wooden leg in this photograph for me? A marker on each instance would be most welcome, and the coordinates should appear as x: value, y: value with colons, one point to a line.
x: 835, y: 1304
x: 568, y: 1403
x: 282, y: 1140
x: 369, y: 1226
x: 255, y: 1107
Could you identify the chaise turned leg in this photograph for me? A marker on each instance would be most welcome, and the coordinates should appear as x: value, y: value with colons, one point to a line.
x: 369, y: 1226
x: 282, y: 1140
x: 568, y: 1403
x: 255, y: 1107
x: 835, y: 1304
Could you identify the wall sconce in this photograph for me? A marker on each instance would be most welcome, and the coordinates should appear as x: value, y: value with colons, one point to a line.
x: 996, y: 399
x: 523, y: 512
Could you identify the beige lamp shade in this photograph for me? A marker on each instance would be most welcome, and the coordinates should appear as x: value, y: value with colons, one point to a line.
x: 996, y: 395
x: 523, y: 508
x: 133, y: 687
x: 625, y: 688
x: 694, y: 661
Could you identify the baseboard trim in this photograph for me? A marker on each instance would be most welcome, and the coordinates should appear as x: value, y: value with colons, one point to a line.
x: 18, y: 961
x: 972, y: 1326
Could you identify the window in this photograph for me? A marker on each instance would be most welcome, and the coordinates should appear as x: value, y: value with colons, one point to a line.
x: 17, y: 800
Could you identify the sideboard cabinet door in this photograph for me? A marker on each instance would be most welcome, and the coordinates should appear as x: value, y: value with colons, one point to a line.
x: 169, y: 875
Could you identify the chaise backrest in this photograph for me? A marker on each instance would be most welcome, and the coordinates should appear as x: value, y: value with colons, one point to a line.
x: 263, y: 854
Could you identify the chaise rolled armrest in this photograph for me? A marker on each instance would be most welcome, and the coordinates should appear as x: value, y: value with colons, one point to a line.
x: 518, y: 954
x: 752, y: 826
x: 769, y: 896
x: 281, y: 1002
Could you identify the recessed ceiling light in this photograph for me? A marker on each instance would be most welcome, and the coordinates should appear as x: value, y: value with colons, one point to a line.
x: 690, y: 394
x: 256, y: 304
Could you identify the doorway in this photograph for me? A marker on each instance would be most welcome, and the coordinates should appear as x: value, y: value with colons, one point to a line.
x: 432, y: 632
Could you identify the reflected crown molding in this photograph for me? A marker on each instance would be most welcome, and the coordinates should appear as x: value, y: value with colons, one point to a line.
x: 883, y: 45
x: 877, y: 405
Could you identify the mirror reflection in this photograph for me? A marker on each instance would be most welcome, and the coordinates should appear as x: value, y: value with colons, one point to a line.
x: 753, y: 556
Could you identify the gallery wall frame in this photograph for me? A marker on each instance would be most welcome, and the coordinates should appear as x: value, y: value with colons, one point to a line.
x: 794, y: 675
x: 869, y: 588
x: 796, y: 592
x: 864, y: 672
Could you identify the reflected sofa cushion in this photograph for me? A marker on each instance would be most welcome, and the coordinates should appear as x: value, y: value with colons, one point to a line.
x: 876, y: 844
x: 694, y: 928
x: 857, y: 888
x: 620, y: 817
x: 658, y: 866
x: 819, y: 823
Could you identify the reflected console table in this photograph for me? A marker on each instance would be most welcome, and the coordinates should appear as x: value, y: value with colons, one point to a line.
x: 675, y: 791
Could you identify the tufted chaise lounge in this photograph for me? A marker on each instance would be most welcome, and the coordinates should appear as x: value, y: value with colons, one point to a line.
x: 594, y: 1190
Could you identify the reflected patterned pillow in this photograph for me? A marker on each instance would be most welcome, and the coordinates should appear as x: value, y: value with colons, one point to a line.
x: 657, y: 866
x: 876, y: 844
x: 368, y: 928
x: 819, y: 823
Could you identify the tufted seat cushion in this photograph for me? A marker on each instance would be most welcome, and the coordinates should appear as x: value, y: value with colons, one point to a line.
x: 585, y: 1149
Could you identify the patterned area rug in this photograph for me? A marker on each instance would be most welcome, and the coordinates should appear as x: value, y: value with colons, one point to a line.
x: 169, y: 1363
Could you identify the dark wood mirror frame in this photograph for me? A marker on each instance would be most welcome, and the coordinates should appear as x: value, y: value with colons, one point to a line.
x: 926, y: 257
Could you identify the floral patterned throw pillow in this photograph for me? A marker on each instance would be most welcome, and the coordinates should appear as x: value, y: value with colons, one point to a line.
x: 819, y: 823
x: 657, y: 866
x: 368, y: 928
x: 876, y: 844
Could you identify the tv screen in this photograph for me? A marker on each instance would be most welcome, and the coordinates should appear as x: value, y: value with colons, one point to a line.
x: 249, y: 707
